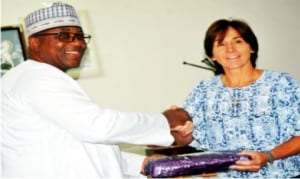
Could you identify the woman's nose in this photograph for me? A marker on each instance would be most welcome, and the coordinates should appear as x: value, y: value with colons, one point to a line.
x: 229, y: 47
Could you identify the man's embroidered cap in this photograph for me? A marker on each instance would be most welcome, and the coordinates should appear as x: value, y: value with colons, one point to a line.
x: 57, y: 15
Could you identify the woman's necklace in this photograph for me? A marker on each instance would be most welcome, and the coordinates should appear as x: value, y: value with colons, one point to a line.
x: 236, y: 101
x: 238, y: 84
x: 241, y: 82
x: 238, y: 97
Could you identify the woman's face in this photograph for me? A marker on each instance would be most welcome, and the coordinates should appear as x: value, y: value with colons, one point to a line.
x: 232, y: 52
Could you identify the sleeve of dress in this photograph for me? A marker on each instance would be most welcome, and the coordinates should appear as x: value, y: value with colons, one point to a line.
x: 295, y: 99
x: 194, y: 104
x: 289, y: 104
x: 297, y: 126
x: 59, y: 99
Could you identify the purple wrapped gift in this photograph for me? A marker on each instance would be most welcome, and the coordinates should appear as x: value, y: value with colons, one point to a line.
x: 192, y: 164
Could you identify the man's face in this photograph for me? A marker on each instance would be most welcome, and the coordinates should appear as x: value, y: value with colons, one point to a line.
x: 62, y: 50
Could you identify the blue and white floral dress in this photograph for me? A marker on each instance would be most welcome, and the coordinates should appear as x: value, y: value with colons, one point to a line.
x: 256, y: 117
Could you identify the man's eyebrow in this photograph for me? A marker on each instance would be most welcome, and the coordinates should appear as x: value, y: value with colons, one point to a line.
x: 69, y: 28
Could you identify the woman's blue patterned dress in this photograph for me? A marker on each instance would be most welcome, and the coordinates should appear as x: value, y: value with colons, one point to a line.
x: 256, y: 117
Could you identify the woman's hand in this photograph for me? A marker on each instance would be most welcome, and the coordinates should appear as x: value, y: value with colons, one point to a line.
x: 181, y: 125
x: 256, y: 162
x: 184, y: 130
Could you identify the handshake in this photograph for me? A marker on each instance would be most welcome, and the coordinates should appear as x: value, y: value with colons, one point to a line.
x: 181, y: 125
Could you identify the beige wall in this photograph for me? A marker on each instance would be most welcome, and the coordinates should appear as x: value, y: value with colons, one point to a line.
x: 140, y: 44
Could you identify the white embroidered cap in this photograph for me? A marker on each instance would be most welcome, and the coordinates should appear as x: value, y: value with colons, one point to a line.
x: 57, y: 15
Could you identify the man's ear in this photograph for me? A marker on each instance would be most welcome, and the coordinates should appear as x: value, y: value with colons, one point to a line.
x: 33, y: 43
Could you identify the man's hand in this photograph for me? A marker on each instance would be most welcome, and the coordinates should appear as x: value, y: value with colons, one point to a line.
x: 180, y: 124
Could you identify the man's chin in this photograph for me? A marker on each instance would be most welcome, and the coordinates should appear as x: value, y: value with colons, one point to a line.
x: 75, y: 65
x: 71, y: 67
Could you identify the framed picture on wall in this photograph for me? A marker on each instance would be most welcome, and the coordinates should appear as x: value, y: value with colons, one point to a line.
x: 13, y: 47
x: 90, y: 65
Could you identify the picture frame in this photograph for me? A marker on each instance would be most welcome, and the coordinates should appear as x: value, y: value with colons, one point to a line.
x: 90, y: 65
x: 13, y: 47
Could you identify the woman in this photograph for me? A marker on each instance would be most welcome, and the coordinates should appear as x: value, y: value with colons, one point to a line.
x: 247, y: 109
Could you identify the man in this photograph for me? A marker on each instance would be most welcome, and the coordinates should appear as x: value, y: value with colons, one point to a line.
x: 51, y: 129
